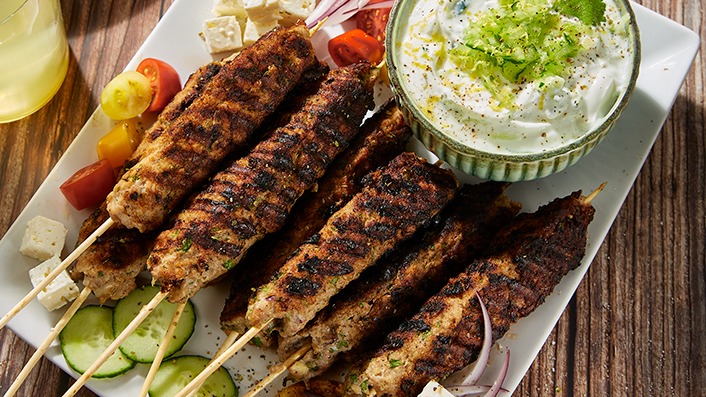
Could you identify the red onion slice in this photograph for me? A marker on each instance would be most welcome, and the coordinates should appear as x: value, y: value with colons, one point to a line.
x: 323, y: 10
x: 498, y: 384
x: 482, y: 361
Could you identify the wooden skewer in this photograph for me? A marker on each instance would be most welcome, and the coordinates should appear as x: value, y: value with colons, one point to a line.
x: 232, y: 337
x: 144, y: 312
x: 218, y: 361
x: 278, y: 370
x: 595, y: 193
x: 52, y: 275
x: 162, y: 349
x: 47, y: 342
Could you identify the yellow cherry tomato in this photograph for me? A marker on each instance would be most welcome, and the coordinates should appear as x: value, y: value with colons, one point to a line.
x: 126, y: 96
x: 119, y: 143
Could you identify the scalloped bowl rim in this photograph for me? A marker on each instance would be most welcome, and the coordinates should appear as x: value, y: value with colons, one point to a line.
x: 593, y: 136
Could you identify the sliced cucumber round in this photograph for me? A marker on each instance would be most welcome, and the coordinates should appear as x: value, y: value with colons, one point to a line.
x: 174, y: 374
x: 86, y: 336
x: 143, y: 343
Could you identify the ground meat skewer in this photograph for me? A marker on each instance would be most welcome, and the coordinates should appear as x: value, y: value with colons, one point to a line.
x: 111, y: 264
x: 513, y: 278
x: 381, y: 138
x: 254, y: 194
x: 232, y: 105
x: 358, y: 319
x: 395, y: 202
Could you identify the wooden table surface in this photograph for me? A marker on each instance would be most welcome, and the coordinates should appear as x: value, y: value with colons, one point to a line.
x: 637, y: 324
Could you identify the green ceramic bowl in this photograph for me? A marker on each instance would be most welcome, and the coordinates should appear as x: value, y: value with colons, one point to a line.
x: 493, y: 166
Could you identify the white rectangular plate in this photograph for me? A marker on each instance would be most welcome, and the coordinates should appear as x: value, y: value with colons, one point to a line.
x: 668, y: 50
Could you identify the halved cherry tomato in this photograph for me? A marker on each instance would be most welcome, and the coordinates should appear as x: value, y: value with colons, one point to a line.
x: 119, y: 143
x: 163, y: 79
x: 373, y: 22
x: 353, y: 46
x: 126, y: 96
x: 89, y: 185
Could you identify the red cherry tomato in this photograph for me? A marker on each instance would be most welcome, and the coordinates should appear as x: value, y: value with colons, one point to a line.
x: 373, y: 22
x: 89, y: 185
x: 164, y: 81
x: 353, y: 46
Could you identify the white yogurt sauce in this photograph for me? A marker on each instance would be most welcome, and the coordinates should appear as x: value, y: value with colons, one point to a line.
x: 541, y: 118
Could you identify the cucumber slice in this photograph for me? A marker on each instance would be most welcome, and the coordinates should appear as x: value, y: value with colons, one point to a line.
x: 174, y: 374
x: 85, y: 338
x: 143, y: 343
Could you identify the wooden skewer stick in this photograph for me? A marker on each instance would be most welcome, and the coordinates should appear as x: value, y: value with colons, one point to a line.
x: 232, y: 337
x: 162, y: 349
x: 218, y: 361
x: 47, y: 342
x: 595, y: 193
x: 52, y: 275
x: 144, y: 312
x: 278, y: 370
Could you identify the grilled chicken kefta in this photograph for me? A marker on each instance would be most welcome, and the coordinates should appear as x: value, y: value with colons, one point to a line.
x: 381, y: 138
x: 358, y: 319
x: 513, y: 279
x: 395, y: 201
x: 254, y: 194
x: 232, y: 105
x: 111, y: 264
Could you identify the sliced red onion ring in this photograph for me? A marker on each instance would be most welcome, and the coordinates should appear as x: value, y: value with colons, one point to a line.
x: 498, y: 384
x: 323, y: 10
x: 338, y: 11
x: 382, y: 4
x: 482, y: 361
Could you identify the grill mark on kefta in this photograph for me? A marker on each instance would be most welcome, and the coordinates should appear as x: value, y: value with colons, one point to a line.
x: 193, y: 88
x: 109, y: 267
x: 358, y: 319
x: 513, y: 278
x: 111, y: 264
x: 220, y: 120
x: 358, y: 223
x: 259, y: 189
x: 381, y: 138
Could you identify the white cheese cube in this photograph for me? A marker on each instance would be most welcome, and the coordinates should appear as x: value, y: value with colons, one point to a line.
x: 222, y: 34
x: 253, y: 31
x: 43, y: 238
x: 222, y: 8
x: 262, y: 12
x: 60, y: 291
x: 293, y: 11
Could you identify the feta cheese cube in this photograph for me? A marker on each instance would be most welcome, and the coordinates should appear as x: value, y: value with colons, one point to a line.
x: 293, y: 11
x: 43, y: 238
x: 253, y: 31
x: 222, y: 34
x: 60, y: 291
x: 222, y: 8
x: 262, y: 12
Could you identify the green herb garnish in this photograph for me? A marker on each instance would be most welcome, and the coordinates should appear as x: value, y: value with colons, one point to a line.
x: 185, y: 245
x: 526, y: 40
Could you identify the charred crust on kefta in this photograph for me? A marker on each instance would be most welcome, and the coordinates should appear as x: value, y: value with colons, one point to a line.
x: 253, y: 195
x: 395, y: 201
x: 513, y: 278
x: 357, y: 319
x: 233, y: 103
x: 109, y: 267
x: 381, y: 138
